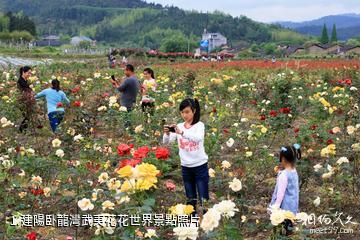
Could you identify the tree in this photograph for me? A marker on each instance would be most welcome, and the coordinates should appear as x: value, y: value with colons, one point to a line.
x: 4, y: 23
x: 324, y: 35
x: 84, y: 45
x: 333, y: 34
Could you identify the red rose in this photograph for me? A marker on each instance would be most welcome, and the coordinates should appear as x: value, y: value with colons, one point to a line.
x: 313, y: 127
x: 262, y: 117
x: 37, y: 191
x: 59, y: 104
x: 273, y: 113
x: 329, y: 141
x: 296, y: 130
x: 141, y: 152
x: 170, y: 185
x: 76, y: 89
x: 162, y: 153
x: 285, y: 110
x: 127, y: 162
x: 331, y: 131
x: 77, y: 104
x: 31, y: 236
x: 226, y: 130
x: 123, y: 149
x: 340, y: 81
x: 347, y: 81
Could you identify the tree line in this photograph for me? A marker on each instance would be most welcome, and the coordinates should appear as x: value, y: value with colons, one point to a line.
x: 15, y: 27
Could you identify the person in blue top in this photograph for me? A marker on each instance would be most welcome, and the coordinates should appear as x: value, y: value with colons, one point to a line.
x: 54, y: 98
x: 286, y: 192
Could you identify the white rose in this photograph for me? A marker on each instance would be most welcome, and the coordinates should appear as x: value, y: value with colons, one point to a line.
x: 248, y: 154
x: 210, y: 220
x: 277, y: 217
x: 139, y: 129
x: 102, y: 109
x: 60, y: 153
x: 350, y: 129
x: 108, y: 205
x: 230, y: 142
x: 184, y: 233
x: 225, y: 164
x: 211, y: 172
x: 78, y: 137
x: 123, y: 109
x: 150, y: 233
x: 227, y: 208
x: 56, y: 142
x: 85, y: 204
x: 103, y: 177
x: 342, y: 160
x: 235, y: 185
x: 317, y: 202
x: 317, y: 167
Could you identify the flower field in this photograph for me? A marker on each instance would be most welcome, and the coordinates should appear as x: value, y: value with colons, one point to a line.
x: 95, y: 167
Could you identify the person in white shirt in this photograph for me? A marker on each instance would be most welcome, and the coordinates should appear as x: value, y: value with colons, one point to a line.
x: 194, y: 161
x: 148, y: 88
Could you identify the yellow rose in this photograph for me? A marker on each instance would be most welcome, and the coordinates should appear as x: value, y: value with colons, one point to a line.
x: 125, y: 171
x: 147, y: 170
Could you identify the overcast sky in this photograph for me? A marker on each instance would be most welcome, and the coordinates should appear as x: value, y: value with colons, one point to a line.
x: 270, y: 10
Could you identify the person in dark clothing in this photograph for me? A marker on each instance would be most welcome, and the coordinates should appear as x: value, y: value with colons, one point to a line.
x: 129, y: 88
x: 26, y: 98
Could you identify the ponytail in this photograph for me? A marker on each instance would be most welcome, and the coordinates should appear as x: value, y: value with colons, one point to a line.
x: 55, y: 84
x: 297, y: 151
x: 290, y: 153
x: 197, y: 111
x: 150, y: 71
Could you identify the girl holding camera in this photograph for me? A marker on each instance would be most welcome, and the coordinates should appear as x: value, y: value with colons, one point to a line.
x: 190, y: 136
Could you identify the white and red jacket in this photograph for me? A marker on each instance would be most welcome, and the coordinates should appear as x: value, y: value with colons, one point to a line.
x: 191, y: 144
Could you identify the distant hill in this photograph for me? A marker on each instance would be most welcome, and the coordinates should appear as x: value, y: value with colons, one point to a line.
x: 347, y: 25
x: 134, y: 22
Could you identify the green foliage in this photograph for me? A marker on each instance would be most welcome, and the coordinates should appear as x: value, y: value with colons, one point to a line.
x: 20, y: 22
x: 333, y: 34
x: 286, y: 36
x: 133, y: 21
x: 16, y: 36
x: 324, y: 35
x: 84, y: 44
x: 4, y: 23
x: 353, y: 42
x: 131, y: 16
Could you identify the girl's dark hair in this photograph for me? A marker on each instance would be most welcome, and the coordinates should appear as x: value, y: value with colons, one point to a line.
x: 195, y: 107
x: 290, y: 153
x: 55, y: 84
x: 150, y: 71
x: 24, y: 70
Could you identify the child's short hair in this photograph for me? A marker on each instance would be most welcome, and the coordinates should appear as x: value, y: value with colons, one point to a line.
x: 290, y: 153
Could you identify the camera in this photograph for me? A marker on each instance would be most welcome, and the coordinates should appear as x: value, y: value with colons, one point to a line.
x: 171, y: 128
